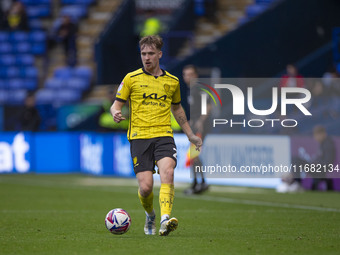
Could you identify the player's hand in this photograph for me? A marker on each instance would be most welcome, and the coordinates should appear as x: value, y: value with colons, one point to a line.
x: 118, y: 117
x: 197, y: 141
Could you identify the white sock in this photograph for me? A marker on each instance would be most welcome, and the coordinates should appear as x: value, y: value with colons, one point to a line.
x: 165, y: 217
x: 150, y: 214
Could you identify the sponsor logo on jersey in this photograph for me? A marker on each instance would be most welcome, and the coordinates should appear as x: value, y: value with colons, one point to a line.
x: 155, y: 96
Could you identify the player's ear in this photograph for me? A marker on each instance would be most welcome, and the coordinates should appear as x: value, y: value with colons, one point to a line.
x: 160, y: 54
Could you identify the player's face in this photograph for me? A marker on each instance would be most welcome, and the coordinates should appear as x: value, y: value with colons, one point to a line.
x: 150, y: 57
x: 188, y: 75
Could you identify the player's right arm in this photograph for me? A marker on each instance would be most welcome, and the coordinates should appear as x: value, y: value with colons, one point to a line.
x: 123, y: 93
x: 116, y: 111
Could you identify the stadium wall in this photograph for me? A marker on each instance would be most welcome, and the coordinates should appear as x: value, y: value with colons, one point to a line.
x: 109, y: 154
x: 257, y: 49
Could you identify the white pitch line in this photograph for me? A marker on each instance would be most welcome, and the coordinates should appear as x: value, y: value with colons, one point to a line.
x: 259, y: 203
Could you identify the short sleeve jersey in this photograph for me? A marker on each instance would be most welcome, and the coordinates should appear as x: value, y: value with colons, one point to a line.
x: 150, y: 100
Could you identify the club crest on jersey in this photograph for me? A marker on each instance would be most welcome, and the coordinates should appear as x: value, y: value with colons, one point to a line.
x: 167, y: 88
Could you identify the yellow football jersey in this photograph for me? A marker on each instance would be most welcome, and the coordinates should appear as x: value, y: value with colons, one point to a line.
x: 150, y: 103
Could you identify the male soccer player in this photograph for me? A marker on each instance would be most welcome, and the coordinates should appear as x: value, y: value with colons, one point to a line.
x: 153, y: 93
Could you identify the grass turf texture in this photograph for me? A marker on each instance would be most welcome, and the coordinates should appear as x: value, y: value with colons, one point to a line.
x: 64, y: 214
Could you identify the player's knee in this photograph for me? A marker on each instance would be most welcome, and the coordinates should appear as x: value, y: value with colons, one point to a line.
x: 168, y: 175
x: 145, y: 189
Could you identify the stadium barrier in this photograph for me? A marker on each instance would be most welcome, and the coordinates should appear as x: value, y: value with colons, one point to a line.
x: 108, y: 154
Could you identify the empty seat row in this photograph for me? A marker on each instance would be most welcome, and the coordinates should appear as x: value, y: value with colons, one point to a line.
x: 74, y: 11
x: 36, y: 2
x: 21, y: 36
x: 76, y: 2
x: 16, y: 59
x: 78, y: 72
x: 23, y: 48
x: 36, y: 24
x: 57, y: 96
x: 18, y: 72
x: 38, y: 11
x: 74, y: 83
x: 13, y: 96
x: 19, y: 83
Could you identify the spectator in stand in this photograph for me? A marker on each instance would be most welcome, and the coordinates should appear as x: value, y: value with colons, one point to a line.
x: 30, y: 117
x: 16, y: 17
x: 292, y: 78
x: 66, y: 34
x: 152, y: 25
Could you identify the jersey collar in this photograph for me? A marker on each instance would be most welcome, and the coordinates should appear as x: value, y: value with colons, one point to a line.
x: 163, y: 73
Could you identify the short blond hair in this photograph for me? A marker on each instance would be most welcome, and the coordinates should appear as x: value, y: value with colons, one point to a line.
x: 151, y: 40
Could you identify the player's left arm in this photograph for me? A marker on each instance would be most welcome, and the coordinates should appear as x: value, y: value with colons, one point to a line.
x: 181, y: 118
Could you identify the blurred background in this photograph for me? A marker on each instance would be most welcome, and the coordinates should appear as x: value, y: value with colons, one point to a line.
x: 62, y: 60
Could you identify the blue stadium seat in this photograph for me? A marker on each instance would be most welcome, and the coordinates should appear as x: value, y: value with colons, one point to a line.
x: 18, y: 36
x: 74, y: 11
x: 6, y: 48
x: 3, y: 83
x: 38, y: 48
x: 22, y: 47
x: 64, y: 72
x: 68, y: 96
x: 255, y: 9
x: 16, y: 96
x: 3, y: 96
x: 84, y: 72
x: 78, y: 83
x: 16, y: 83
x: 264, y: 1
x: 37, y: 36
x: 4, y: 36
x: 31, y: 84
x: 9, y: 72
x: 35, y: 24
x: 29, y: 72
x: 24, y: 60
x: 7, y: 60
x: 88, y: 2
x: 36, y: 2
x: 45, y: 96
x: 54, y: 83
x: 38, y: 11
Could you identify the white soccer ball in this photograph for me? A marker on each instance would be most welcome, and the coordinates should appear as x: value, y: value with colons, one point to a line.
x: 117, y: 221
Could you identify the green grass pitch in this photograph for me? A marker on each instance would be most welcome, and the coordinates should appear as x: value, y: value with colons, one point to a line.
x: 64, y: 214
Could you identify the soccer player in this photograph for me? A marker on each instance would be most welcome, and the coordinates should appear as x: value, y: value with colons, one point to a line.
x: 153, y: 93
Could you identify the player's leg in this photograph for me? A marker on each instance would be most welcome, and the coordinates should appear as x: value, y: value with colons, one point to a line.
x: 145, y: 194
x: 166, y: 168
x: 143, y: 164
x: 166, y: 194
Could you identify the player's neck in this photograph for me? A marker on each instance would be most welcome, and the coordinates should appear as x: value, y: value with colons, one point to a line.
x: 157, y: 71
